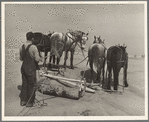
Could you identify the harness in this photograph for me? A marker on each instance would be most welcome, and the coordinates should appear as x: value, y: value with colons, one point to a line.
x: 24, y: 51
x: 120, y: 61
x: 74, y: 41
x: 42, y: 43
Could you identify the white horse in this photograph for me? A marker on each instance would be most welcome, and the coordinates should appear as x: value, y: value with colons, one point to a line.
x: 67, y: 42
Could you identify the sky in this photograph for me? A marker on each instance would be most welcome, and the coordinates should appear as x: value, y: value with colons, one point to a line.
x: 116, y: 23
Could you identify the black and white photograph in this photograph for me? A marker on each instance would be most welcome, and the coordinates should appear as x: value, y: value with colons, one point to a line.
x: 74, y: 60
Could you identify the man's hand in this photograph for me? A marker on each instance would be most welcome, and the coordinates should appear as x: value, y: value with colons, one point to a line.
x: 42, y: 59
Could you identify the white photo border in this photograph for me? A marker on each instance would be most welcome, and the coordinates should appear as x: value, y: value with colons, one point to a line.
x: 58, y: 118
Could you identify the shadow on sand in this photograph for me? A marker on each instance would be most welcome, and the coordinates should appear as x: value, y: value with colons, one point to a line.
x: 19, y: 88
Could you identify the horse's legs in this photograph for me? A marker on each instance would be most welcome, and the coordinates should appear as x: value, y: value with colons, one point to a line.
x: 57, y: 63
x: 98, y: 75
x: 53, y: 64
x: 50, y: 60
x: 65, y: 58
x: 71, y: 60
x: 109, y: 68
x: 116, y: 75
x: 103, y: 71
x: 53, y: 59
x: 115, y: 78
x: 45, y: 58
x: 91, y: 66
x: 125, y: 75
x: 58, y: 60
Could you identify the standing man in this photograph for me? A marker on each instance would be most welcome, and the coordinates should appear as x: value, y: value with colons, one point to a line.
x: 30, y: 56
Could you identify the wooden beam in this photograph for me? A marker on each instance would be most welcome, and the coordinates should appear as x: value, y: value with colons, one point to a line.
x: 72, y: 84
x: 62, y: 78
x: 68, y: 82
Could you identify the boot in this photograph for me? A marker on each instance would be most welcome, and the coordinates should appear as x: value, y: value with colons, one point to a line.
x: 23, y: 103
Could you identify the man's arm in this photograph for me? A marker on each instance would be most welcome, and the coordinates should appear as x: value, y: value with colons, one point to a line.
x: 35, y: 53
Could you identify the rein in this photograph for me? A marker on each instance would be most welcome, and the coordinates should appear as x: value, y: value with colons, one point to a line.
x: 40, y: 43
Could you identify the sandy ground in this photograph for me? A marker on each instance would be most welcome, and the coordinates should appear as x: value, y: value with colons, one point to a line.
x: 129, y: 103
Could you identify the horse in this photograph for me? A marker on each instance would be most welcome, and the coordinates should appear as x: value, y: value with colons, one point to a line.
x: 72, y: 39
x: 67, y: 42
x: 43, y: 43
x: 97, y: 56
x: 98, y: 40
x: 57, y: 47
x: 117, y: 57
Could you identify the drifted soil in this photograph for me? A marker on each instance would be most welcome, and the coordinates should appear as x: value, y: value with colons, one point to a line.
x: 131, y: 102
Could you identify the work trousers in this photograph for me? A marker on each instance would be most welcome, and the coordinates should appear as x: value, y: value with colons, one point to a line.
x: 28, y: 84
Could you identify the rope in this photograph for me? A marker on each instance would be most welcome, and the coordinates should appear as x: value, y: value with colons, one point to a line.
x: 27, y: 102
x: 71, y: 43
x: 81, y: 61
x: 50, y: 85
x: 85, y: 67
x: 34, y: 89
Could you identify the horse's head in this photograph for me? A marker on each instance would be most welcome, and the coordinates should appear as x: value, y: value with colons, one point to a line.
x: 83, y: 40
x: 79, y: 37
x: 50, y: 33
x: 98, y: 40
x: 124, y: 52
x: 123, y: 47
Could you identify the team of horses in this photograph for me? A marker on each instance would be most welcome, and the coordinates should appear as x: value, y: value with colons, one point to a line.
x: 116, y: 56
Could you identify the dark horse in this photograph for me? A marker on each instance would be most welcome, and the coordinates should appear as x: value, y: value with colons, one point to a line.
x: 117, y: 57
x: 67, y: 42
x: 96, y: 56
x: 43, y: 43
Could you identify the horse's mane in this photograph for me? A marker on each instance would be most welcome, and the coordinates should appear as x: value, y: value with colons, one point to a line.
x: 123, y: 48
x: 76, y: 33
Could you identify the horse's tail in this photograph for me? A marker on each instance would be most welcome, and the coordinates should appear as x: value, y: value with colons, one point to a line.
x: 106, y: 77
x: 88, y: 58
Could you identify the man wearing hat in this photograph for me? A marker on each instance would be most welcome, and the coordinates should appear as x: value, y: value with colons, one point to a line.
x: 29, y: 56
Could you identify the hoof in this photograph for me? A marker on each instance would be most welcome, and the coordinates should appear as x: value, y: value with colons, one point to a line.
x: 115, y: 88
x: 56, y: 67
x: 108, y: 87
x: 126, y: 85
x: 71, y: 67
x: 49, y: 65
x: 103, y: 86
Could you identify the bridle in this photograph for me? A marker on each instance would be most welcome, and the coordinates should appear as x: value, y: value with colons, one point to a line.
x: 74, y: 41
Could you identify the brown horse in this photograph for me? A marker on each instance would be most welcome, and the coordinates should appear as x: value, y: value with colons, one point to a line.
x: 96, y: 56
x: 43, y: 43
x: 117, y: 57
x: 67, y: 42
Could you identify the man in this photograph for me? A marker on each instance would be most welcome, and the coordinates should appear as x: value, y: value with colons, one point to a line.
x: 30, y: 56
